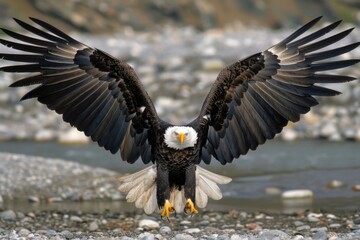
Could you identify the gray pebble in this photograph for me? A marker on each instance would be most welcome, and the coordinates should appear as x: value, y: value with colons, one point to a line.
x: 334, y: 225
x: 146, y: 236
x: 67, y: 234
x: 76, y: 219
x: 182, y: 236
x: 204, y: 223
x: 320, y: 229
x: 274, y: 234
x: 24, y: 232
x: 54, y: 199
x: 357, y: 220
x: 93, y: 226
x: 126, y: 238
x: 192, y: 230
x: 185, y: 222
x: 165, y: 230
x: 8, y: 215
x: 33, y: 199
x: 149, y: 224
x: 319, y: 235
x: 303, y: 228
x: 313, y: 219
x: 298, y: 223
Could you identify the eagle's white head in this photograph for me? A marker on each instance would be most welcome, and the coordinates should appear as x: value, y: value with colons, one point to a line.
x: 180, y: 137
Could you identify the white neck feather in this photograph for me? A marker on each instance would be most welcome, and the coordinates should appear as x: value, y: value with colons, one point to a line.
x: 172, y: 140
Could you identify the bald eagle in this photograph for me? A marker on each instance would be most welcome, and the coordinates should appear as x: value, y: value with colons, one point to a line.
x: 250, y: 101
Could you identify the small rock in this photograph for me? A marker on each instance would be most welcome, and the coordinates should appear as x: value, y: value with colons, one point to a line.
x: 253, y: 226
x: 54, y: 199
x: 192, y: 230
x: 298, y: 223
x: 149, y: 224
x: 334, y: 225
x: 313, y: 219
x: 331, y: 216
x: 146, y: 236
x: 356, y: 188
x: 335, y: 184
x: 76, y: 219
x: 33, y: 199
x: 50, y: 232
x: 8, y: 215
x: 289, y: 135
x: 357, y: 220
x: 73, y: 136
x: 182, y: 236
x: 303, y: 228
x: 320, y: 235
x: 274, y: 234
x: 319, y: 229
x: 44, y: 135
x: 300, y: 193
x: 93, y: 226
x: 67, y: 234
x: 204, y: 223
x: 185, y: 222
x: 165, y: 230
x: 298, y: 237
x: 272, y: 191
x: 24, y: 232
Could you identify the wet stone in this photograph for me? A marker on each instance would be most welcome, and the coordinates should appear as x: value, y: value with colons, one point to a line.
x: 319, y: 235
x: 357, y: 220
x: 182, y: 236
x: 93, y: 226
x: 8, y: 215
x: 67, y: 234
x: 148, y: 224
x: 76, y: 219
x: 165, y: 230
x: 334, y: 225
x: 303, y: 228
x: 192, y: 230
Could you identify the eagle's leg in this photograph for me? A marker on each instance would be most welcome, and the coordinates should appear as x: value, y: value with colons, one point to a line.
x: 189, y: 190
x: 163, y: 192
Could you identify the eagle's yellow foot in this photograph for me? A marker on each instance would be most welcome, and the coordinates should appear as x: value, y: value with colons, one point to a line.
x: 190, y: 207
x: 167, y: 210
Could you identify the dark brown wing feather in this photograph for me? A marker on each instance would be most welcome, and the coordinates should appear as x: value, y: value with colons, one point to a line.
x: 96, y: 93
x: 253, y: 99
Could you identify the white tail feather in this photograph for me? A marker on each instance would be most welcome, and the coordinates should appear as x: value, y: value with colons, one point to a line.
x: 141, y: 189
x: 201, y: 198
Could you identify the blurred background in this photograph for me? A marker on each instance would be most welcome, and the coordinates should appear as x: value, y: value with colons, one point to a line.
x: 177, y: 48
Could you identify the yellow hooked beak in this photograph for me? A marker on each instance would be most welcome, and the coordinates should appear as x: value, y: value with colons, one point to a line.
x: 181, y: 138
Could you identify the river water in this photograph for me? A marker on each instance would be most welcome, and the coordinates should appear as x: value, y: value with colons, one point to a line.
x: 306, y: 164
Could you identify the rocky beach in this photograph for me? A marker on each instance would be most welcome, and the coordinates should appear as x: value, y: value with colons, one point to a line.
x: 52, y: 191
x: 177, y: 68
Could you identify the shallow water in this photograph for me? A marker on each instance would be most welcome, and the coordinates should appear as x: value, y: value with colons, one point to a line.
x: 296, y: 165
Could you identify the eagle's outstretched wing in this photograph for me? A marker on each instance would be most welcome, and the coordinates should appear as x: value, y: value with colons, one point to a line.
x: 94, y: 92
x: 253, y: 99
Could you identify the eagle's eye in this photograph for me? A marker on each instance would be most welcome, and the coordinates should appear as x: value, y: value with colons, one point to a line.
x: 176, y: 133
x: 186, y: 134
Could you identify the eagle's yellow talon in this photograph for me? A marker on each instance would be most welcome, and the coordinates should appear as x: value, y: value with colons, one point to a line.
x: 190, y: 207
x: 167, y: 210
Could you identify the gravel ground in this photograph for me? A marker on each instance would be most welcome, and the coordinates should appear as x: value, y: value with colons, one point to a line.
x: 42, y: 182
x: 207, y: 225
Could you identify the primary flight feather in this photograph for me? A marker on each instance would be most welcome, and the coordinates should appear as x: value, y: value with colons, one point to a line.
x: 250, y: 101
